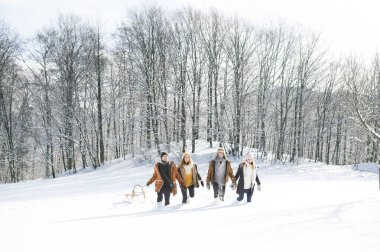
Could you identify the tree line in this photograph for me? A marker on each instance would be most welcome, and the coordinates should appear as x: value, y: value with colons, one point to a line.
x: 73, y: 96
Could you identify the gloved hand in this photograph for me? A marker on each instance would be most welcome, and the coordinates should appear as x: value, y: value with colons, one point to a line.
x: 147, y: 183
x: 259, y: 187
x: 233, y: 186
x: 208, y: 185
x: 202, y: 184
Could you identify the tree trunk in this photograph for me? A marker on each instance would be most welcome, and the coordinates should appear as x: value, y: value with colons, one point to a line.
x: 99, y: 100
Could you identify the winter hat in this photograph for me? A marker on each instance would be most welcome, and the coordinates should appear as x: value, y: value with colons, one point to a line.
x: 163, y: 154
x: 248, y: 156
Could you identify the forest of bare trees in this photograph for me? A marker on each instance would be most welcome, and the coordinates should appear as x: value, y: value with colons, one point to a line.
x: 74, y: 96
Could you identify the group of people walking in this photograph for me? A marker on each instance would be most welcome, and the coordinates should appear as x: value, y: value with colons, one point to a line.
x: 166, y: 174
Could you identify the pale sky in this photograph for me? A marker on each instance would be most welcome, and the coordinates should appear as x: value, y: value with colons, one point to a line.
x: 345, y: 25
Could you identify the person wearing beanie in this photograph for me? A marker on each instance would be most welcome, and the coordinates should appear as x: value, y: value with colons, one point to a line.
x: 188, y: 171
x: 218, y: 172
x: 165, y: 174
x: 247, y: 178
x: 163, y: 154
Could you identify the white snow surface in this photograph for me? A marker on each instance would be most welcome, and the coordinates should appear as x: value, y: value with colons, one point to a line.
x: 307, y: 207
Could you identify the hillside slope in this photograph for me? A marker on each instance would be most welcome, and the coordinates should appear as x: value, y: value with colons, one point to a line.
x: 309, y: 207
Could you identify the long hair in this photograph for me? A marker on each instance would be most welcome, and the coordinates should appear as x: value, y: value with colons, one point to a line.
x: 183, y: 159
x: 249, y: 155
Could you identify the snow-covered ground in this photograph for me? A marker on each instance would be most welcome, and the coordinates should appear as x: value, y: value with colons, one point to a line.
x: 309, y: 207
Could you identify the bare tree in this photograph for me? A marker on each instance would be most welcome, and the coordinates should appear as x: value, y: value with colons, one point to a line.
x: 99, y: 63
x: 363, y: 90
x: 9, y: 47
x: 284, y: 91
x: 69, y: 57
x: 195, y: 72
x: 324, y: 107
x: 146, y: 35
x: 40, y: 55
x: 268, y: 53
x: 309, y: 63
x: 179, y: 62
x: 239, y: 49
x: 213, y: 36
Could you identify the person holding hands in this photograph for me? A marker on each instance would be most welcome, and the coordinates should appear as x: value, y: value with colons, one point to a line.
x: 165, y: 174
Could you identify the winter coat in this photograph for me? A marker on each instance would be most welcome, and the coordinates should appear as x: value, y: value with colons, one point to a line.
x: 159, y: 182
x: 239, y: 176
x: 228, y: 172
x: 194, y: 169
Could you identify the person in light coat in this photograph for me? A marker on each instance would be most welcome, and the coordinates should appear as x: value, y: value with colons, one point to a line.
x: 247, y: 178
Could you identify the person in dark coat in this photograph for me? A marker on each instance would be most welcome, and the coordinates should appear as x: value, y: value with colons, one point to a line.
x: 188, y: 171
x: 246, y: 177
x: 219, y: 171
x: 165, y: 175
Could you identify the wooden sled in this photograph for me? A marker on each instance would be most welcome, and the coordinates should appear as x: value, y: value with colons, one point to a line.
x: 137, y: 191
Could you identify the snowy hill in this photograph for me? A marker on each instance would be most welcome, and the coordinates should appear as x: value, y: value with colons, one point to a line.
x: 309, y: 207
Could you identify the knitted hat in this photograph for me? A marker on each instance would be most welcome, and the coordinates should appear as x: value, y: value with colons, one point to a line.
x: 251, y: 157
x: 163, y: 154
x: 248, y: 156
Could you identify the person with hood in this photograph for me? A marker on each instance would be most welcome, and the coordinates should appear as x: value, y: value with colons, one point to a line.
x: 188, y: 171
x: 165, y: 174
x: 246, y: 177
x: 218, y: 172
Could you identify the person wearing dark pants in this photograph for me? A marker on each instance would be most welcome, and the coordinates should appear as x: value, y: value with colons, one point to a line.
x: 219, y: 190
x: 165, y: 174
x: 219, y: 171
x: 165, y: 191
x: 184, y: 193
x: 188, y: 171
x: 246, y: 177
x: 249, y: 193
